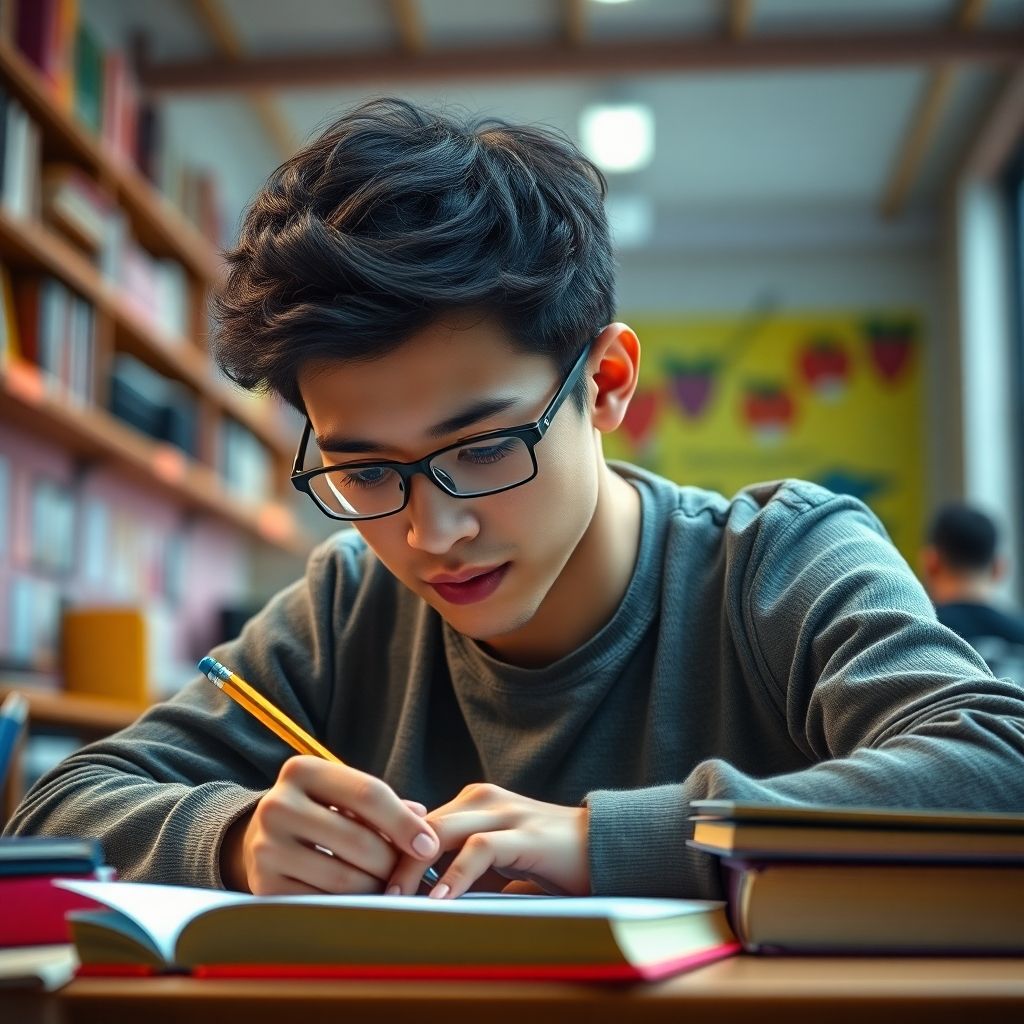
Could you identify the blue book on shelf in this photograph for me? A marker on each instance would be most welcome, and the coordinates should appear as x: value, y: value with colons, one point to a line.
x: 13, y: 713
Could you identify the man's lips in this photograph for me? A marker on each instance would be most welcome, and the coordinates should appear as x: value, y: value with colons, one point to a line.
x: 469, y: 586
x: 463, y: 575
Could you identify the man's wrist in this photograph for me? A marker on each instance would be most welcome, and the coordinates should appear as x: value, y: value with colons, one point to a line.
x: 232, y: 854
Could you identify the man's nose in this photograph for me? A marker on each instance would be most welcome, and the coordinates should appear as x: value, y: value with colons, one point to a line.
x: 437, y: 520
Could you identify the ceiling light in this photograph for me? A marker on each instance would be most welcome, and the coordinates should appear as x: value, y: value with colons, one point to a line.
x: 618, y: 137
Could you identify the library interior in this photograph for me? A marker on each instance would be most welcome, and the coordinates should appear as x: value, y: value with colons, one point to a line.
x: 815, y: 225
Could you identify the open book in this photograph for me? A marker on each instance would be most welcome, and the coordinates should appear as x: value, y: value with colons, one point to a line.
x: 210, y: 932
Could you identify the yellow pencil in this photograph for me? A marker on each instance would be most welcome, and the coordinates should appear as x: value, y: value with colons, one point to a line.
x: 274, y: 719
x: 259, y: 707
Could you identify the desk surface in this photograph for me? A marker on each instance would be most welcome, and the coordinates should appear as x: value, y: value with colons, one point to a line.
x: 744, y: 988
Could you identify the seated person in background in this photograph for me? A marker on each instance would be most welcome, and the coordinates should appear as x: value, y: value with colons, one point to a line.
x: 962, y: 568
x: 530, y: 659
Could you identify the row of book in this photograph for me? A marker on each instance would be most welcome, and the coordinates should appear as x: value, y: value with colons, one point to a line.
x: 98, y: 86
x: 154, y: 288
x: 45, y: 324
x: 54, y: 329
x: 65, y: 198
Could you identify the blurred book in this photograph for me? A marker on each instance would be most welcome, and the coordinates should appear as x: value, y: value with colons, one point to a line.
x: 46, y: 968
x: 34, y: 907
x: 13, y: 715
x: 20, y: 159
x: 88, y: 635
x: 88, y: 79
x: 162, y: 408
x: 245, y: 464
x: 57, y: 334
x: 75, y: 206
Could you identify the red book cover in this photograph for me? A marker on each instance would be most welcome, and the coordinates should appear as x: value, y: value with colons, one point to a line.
x: 470, y: 972
x: 34, y: 909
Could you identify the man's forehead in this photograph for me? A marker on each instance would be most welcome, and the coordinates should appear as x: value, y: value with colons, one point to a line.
x: 431, y: 397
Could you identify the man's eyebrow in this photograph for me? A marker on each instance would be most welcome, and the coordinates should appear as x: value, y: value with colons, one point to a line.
x: 473, y: 414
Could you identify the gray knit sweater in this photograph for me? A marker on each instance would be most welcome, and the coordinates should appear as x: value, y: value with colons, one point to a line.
x: 774, y: 647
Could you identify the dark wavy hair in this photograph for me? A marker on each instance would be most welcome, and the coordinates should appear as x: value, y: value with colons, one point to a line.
x: 396, y: 215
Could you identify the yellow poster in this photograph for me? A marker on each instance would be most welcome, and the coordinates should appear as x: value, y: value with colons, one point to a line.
x: 831, y: 397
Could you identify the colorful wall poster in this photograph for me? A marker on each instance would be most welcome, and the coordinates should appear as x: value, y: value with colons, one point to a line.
x: 833, y: 397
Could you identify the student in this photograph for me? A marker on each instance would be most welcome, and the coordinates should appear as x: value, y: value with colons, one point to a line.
x: 962, y: 568
x: 530, y: 659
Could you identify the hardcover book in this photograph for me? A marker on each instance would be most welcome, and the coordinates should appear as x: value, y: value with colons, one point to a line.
x: 157, y: 928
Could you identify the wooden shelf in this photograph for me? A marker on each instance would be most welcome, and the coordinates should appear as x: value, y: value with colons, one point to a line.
x: 29, y: 245
x: 158, y: 225
x: 94, y: 433
x: 96, y: 716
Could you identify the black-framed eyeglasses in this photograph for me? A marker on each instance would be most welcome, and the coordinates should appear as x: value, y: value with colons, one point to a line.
x: 488, y: 463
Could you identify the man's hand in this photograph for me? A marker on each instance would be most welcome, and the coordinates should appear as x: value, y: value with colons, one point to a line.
x: 325, y: 827
x: 519, y: 838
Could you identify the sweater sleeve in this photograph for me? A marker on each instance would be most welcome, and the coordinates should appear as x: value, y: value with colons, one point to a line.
x: 160, y: 794
x: 889, y: 708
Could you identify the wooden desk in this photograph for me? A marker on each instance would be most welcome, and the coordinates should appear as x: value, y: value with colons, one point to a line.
x: 747, y: 989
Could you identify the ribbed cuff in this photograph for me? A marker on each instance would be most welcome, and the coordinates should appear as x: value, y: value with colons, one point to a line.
x: 211, y: 809
x: 637, y: 845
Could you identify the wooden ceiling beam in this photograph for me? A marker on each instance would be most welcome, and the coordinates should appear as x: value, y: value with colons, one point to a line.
x: 925, y: 121
x: 1000, y: 135
x: 228, y: 43
x: 620, y: 57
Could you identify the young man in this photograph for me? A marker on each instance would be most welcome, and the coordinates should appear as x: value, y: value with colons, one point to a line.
x: 529, y: 659
x: 962, y: 568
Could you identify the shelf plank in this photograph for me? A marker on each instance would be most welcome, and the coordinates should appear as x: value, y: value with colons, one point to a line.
x: 32, y: 246
x: 95, y: 715
x: 93, y: 433
x: 159, y: 225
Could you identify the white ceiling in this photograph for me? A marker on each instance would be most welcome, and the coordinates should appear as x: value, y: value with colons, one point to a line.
x: 761, y: 147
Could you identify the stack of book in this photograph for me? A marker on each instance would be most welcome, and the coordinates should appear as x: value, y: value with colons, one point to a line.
x: 840, y: 880
x: 35, y: 950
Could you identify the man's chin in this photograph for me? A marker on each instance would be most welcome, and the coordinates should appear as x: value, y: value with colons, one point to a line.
x: 484, y: 628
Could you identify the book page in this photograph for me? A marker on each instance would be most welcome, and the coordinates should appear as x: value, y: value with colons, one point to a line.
x: 160, y: 910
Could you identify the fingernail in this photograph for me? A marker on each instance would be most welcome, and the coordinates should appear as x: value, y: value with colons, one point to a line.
x: 424, y: 845
x: 394, y: 890
x: 440, y: 891
x: 420, y: 809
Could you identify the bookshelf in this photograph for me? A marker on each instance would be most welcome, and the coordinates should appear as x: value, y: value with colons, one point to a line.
x: 30, y: 246
x: 131, y: 472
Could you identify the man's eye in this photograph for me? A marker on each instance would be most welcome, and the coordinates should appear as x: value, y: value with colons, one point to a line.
x: 484, y: 454
x: 370, y: 476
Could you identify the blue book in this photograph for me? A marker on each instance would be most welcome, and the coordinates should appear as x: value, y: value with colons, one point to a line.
x: 48, y: 855
x: 13, y: 713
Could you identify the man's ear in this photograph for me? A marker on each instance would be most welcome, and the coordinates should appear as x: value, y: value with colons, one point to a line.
x: 999, y: 568
x: 931, y: 564
x: 616, y: 362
